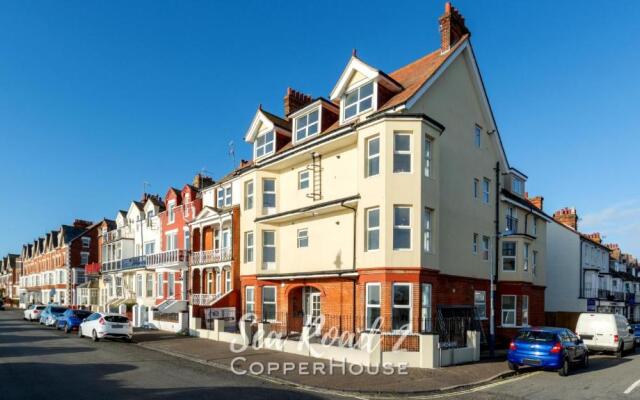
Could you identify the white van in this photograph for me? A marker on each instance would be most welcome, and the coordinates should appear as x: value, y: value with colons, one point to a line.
x: 605, y: 332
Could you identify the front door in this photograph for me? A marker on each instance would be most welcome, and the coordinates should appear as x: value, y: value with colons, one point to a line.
x: 312, y: 310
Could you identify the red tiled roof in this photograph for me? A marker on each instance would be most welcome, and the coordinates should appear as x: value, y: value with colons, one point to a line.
x: 412, y: 76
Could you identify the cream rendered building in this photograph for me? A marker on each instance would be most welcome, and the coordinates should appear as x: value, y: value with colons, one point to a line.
x: 388, y: 200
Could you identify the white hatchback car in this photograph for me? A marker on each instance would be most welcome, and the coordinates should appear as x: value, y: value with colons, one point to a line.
x: 32, y: 313
x: 106, y: 326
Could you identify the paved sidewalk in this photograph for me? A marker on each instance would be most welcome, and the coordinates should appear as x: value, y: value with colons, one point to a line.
x: 415, y: 381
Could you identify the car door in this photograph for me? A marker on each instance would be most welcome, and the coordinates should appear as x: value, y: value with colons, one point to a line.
x: 568, y: 345
x: 579, y: 346
x: 86, y: 325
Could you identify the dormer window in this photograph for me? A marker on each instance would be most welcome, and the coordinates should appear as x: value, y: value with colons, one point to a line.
x: 265, y: 144
x: 358, y: 101
x: 517, y: 185
x: 307, y: 125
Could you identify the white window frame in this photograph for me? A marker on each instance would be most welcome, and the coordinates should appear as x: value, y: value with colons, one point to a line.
x: 84, y: 257
x: 303, y: 179
x: 274, y: 302
x: 477, y: 136
x: 86, y: 242
x: 369, y: 305
x: 171, y: 285
x: 508, y: 310
x: 486, y: 190
x: 148, y: 285
x: 402, y: 153
x: 370, y: 230
x: 525, y: 310
x: 171, y: 212
x: 270, y: 192
x: 305, y: 129
x: 395, y: 306
x: 249, y: 305
x: 171, y: 240
x: 228, y: 195
x: 302, y: 238
x: 517, y: 185
x: 402, y: 227
x: 480, y: 304
x: 474, y: 244
x: 262, y: 147
x: 514, y: 257
x: 248, y: 194
x: 486, y: 248
x: 358, y: 101
x: 428, y: 230
x: 534, y: 263
x: 372, y: 157
x: 426, y: 311
x: 428, y: 156
x: 525, y: 264
x: 227, y: 280
x: 220, y: 197
x: 187, y: 238
x: 249, y: 254
x: 270, y: 263
x: 159, y: 284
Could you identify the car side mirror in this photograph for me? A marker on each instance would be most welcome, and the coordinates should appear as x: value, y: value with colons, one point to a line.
x: 631, y: 330
x: 84, y: 320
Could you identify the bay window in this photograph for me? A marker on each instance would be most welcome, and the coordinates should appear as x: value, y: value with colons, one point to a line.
x: 372, y: 305
x: 401, y: 307
x: 401, y: 227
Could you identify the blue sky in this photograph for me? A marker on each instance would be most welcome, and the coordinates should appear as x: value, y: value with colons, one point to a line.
x: 98, y: 97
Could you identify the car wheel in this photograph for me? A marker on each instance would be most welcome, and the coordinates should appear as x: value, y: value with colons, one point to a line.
x: 80, y: 332
x: 128, y: 340
x: 66, y: 328
x: 564, y: 370
x: 620, y: 351
x: 512, y: 366
x: 585, y: 360
x: 94, y: 336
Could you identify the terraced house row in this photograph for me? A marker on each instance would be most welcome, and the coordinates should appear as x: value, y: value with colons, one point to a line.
x: 391, y: 197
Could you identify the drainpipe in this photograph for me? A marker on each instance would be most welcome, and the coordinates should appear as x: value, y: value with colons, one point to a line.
x: 353, y: 265
x: 494, y: 280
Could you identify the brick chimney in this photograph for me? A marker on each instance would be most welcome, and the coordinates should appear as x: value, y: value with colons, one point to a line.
x: 81, y: 223
x: 536, y: 201
x: 294, y: 100
x: 452, y: 27
x: 594, y: 236
x: 567, y: 216
x: 200, y: 181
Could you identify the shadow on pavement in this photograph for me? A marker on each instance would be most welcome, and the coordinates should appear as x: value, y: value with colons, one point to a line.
x: 30, y: 351
x: 4, y: 339
x: 95, y: 382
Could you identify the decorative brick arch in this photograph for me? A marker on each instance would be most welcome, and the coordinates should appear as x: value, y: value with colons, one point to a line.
x: 295, y: 286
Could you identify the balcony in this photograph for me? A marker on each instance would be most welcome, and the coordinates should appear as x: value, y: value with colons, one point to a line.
x: 200, y: 299
x: 126, y: 264
x: 175, y: 257
x: 211, y: 256
x: 592, y: 293
x: 617, y: 296
x: 124, y: 232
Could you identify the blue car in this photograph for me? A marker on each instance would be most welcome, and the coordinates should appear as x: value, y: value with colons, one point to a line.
x: 549, y: 348
x: 71, y: 319
x: 636, y: 334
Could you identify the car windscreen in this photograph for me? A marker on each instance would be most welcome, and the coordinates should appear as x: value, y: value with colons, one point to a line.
x: 58, y: 310
x: 537, y: 336
x: 41, y: 307
x: 82, y: 314
x: 116, y: 319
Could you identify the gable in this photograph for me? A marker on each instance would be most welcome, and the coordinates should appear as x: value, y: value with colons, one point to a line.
x: 459, y: 72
